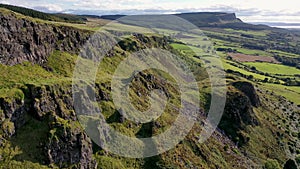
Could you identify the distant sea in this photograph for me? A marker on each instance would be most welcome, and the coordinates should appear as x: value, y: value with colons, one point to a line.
x: 287, y: 27
x: 280, y: 25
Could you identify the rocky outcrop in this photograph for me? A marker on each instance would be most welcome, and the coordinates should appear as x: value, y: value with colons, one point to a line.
x: 139, y: 41
x: 237, y: 115
x: 12, y: 112
x: 248, y: 89
x: 25, y: 40
x: 67, y: 145
x: 209, y: 18
x: 231, y: 17
x: 52, y: 99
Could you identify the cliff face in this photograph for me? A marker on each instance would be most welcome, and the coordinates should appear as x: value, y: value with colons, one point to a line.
x: 39, y: 118
x: 25, y: 40
x: 208, y: 18
x: 249, y: 90
x: 228, y: 17
x: 238, y: 112
x: 66, y: 143
x: 59, y: 138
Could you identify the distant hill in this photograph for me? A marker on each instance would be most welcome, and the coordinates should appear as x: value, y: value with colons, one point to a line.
x: 112, y: 17
x: 200, y: 19
x: 58, y: 17
x: 209, y: 19
x: 204, y: 18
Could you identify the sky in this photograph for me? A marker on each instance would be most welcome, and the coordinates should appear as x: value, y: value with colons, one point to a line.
x: 248, y: 10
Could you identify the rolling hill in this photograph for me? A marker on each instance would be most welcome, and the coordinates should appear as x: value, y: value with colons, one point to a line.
x: 40, y: 126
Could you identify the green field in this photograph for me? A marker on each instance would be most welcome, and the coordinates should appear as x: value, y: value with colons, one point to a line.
x: 187, y: 50
x: 292, y: 93
x: 254, y: 33
x: 274, y: 68
x: 285, y: 53
x: 252, y: 52
x: 243, y: 71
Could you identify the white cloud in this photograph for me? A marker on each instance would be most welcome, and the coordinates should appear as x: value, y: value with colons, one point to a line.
x: 248, y: 10
x: 49, y: 8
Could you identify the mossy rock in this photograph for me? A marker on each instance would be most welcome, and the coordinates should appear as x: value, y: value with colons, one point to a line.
x: 272, y: 164
x: 12, y: 94
x: 8, y: 128
x: 109, y: 163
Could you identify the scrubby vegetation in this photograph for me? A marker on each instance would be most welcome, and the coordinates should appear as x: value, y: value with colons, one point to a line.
x: 259, y: 128
x: 45, y: 16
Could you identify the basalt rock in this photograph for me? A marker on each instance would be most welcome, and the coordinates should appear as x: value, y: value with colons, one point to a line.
x: 24, y: 40
x: 12, y: 113
x: 249, y: 90
x: 67, y: 145
x: 52, y: 99
x: 237, y: 115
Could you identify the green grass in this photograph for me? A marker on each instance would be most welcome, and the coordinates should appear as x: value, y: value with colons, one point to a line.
x: 62, y: 63
x: 13, y: 78
x: 274, y: 68
x: 126, y: 28
x: 254, y: 33
x: 292, y: 93
x: 252, y: 52
x: 109, y: 162
x: 285, y: 53
x: 13, y: 164
x: 25, y: 73
x: 45, y: 16
x: 82, y: 26
x: 243, y: 71
x: 23, y: 150
x: 28, y: 140
x: 187, y: 50
x: 12, y: 93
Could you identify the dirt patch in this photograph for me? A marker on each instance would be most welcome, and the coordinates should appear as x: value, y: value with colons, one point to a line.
x: 252, y: 58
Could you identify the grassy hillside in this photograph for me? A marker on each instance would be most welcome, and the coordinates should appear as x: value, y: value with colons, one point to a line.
x: 274, y: 68
x: 259, y: 128
x: 45, y: 16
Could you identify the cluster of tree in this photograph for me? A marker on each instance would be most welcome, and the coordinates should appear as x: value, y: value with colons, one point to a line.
x: 249, y: 77
x: 226, y: 50
x: 254, y: 46
x: 278, y: 39
x: 247, y: 35
x: 269, y: 79
x: 286, y: 41
x: 291, y: 82
x: 45, y: 16
x: 289, y: 61
x: 287, y: 48
x: 243, y: 26
x: 272, y: 78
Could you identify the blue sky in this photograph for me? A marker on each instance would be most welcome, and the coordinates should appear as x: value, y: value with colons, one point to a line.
x: 247, y: 10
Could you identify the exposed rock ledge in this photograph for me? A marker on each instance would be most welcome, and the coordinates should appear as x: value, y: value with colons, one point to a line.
x: 25, y: 40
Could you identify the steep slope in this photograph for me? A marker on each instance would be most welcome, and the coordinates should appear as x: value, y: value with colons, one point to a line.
x: 45, y: 16
x: 25, y: 40
x: 40, y: 129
